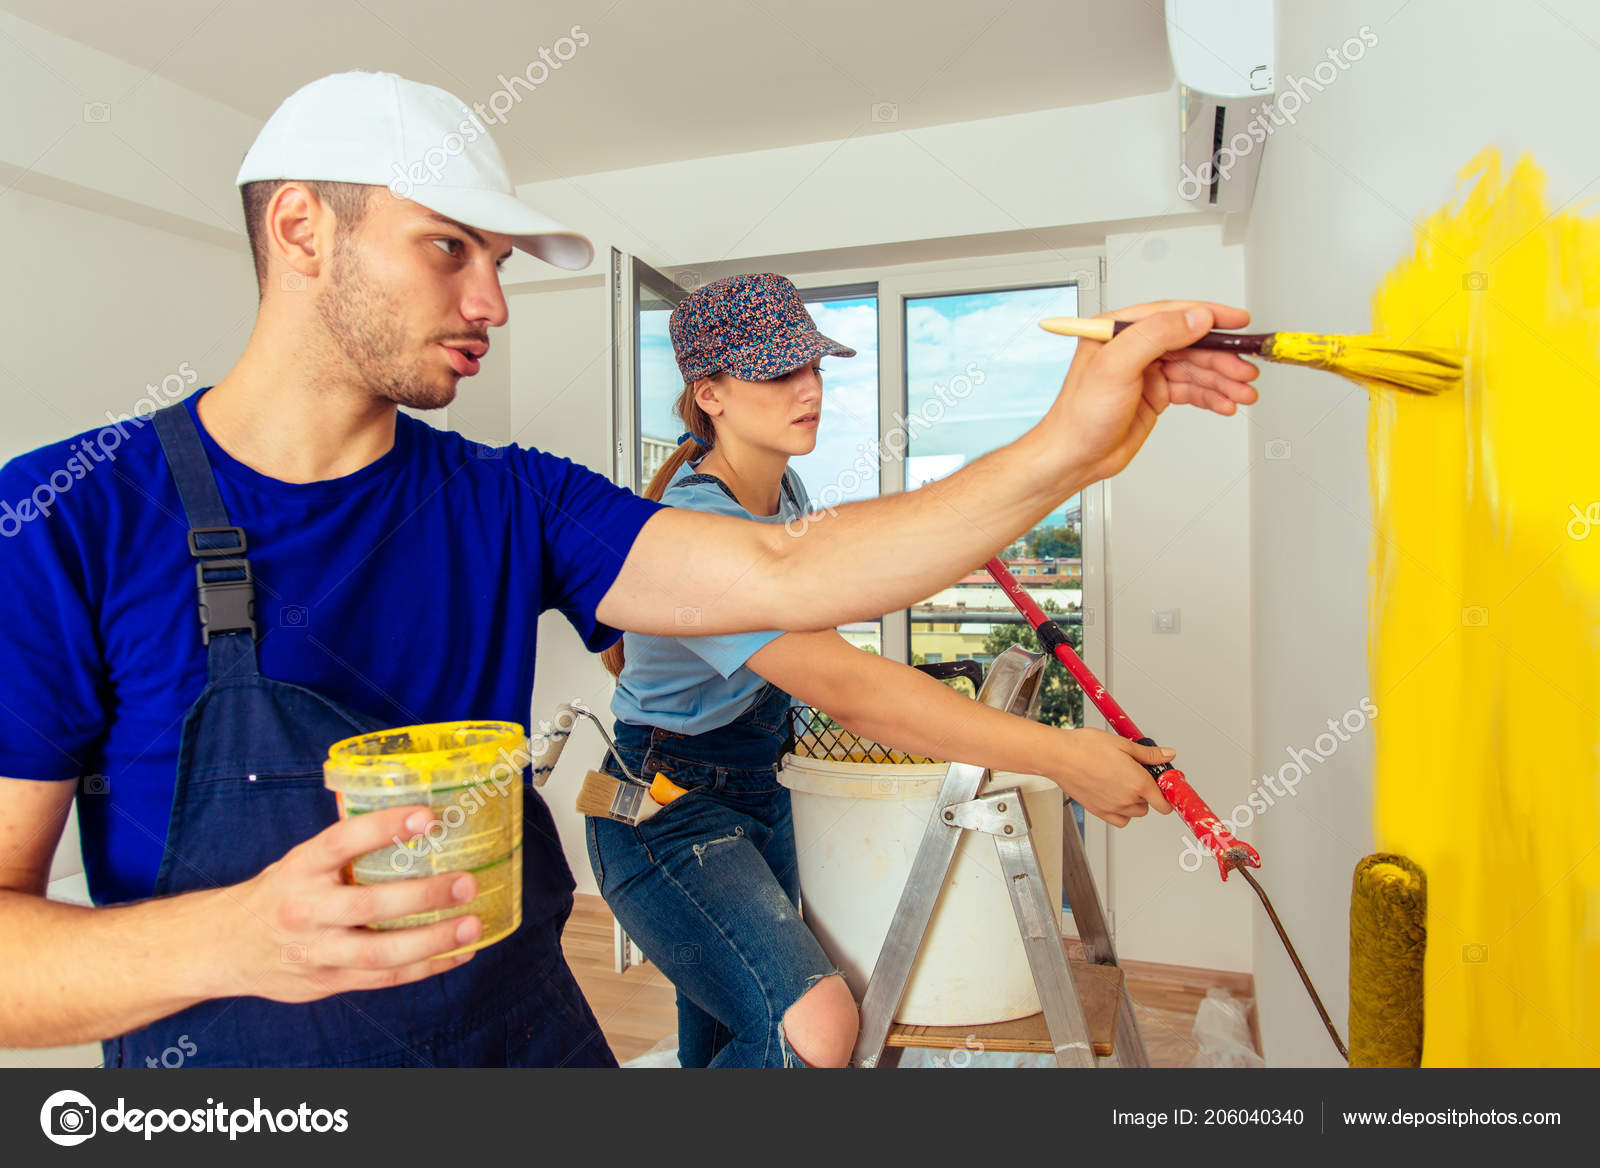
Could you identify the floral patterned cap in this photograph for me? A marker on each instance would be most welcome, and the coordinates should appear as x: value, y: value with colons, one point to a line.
x: 754, y: 326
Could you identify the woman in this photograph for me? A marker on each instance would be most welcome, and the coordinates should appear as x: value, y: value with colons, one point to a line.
x: 708, y: 887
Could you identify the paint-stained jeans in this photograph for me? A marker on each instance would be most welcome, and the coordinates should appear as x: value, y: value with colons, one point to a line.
x: 708, y: 890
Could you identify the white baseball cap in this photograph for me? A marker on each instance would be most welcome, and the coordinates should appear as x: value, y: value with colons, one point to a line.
x: 421, y: 142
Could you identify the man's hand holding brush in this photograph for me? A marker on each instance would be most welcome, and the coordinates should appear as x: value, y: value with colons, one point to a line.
x: 1115, y: 390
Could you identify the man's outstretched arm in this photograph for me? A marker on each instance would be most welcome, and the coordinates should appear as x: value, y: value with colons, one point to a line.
x: 693, y: 573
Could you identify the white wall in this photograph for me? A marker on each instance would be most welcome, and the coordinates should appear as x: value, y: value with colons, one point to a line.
x: 84, y: 126
x: 1023, y: 173
x: 1338, y: 192
x: 560, y: 402
x: 100, y: 309
x: 1178, y: 537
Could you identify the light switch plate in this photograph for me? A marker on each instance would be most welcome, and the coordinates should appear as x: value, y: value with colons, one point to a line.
x: 1164, y: 620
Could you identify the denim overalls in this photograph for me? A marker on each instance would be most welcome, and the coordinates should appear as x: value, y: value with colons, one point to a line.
x: 249, y: 788
x: 708, y: 887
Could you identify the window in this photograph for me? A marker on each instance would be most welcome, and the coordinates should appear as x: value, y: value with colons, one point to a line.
x: 659, y: 387
x: 844, y: 465
x: 979, y: 365
x: 842, y: 468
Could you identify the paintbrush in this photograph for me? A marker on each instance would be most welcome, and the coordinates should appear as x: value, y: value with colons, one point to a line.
x: 625, y: 800
x: 1373, y: 359
x: 630, y: 800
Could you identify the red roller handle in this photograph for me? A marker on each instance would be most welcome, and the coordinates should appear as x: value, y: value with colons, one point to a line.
x: 1208, y: 829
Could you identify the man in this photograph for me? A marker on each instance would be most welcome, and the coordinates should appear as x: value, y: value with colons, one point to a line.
x: 358, y: 569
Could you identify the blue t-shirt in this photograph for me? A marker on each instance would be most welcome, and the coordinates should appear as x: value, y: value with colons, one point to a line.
x: 409, y: 590
x: 690, y: 685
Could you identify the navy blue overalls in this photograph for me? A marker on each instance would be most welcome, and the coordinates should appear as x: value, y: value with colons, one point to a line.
x: 249, y: 788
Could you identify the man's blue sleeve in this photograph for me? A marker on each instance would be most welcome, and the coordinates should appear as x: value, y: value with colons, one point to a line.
x: 587, y: 525
x: 53, y: 688
x: 727, y: 653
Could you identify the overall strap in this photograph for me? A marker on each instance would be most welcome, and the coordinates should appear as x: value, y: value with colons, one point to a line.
x: 690, y: 480
x: 226, y: 588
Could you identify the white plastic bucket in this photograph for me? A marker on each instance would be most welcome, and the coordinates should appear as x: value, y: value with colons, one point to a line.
x: 857, y: 827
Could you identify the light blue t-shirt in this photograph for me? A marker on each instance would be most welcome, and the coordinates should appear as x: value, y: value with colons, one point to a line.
x: 690, y: 685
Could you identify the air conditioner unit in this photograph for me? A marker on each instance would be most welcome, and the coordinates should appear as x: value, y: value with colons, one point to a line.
x: 1222, y: 54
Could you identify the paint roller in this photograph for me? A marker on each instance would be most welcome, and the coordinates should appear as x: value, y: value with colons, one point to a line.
x: 1388, y: 938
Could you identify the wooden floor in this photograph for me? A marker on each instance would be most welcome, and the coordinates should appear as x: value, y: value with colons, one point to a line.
x: 636, y: 1009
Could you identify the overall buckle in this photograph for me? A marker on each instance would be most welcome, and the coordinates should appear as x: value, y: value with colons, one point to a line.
x: 228, y: 603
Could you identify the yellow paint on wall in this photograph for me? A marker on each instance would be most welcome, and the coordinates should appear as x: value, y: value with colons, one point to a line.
x: 1485, y: 622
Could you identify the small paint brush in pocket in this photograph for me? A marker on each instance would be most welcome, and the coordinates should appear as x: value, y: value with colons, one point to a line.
x: 626, y: 801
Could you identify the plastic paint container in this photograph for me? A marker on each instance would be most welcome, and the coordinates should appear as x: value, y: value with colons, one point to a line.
x: 470, y: 775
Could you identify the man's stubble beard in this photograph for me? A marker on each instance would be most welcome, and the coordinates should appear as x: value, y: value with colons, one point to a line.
x: 364, y: 322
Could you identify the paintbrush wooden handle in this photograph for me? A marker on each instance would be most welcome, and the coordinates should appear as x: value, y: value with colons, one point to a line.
x: 1104, y: 330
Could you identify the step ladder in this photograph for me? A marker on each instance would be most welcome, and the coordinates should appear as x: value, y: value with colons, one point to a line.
x: 1087, y: 1016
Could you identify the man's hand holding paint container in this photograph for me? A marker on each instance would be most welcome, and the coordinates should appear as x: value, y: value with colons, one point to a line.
x: 1115, y: 390
x: 297, y: 932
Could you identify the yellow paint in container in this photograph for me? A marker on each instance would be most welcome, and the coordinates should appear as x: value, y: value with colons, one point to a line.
x: 469, y: 774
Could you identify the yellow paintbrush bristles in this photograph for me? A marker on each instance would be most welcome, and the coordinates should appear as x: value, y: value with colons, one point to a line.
x: 1369, y: 359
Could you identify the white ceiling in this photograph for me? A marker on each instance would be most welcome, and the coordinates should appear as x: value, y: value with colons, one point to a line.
x: 659, y: 80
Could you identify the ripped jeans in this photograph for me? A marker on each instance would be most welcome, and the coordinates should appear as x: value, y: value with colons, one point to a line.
x: 708, y: 890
